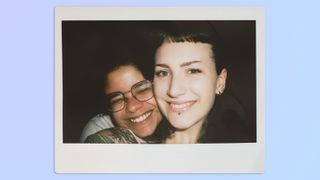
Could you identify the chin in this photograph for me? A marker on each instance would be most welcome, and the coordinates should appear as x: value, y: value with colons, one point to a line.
x: 181, y: 122
x: 180, y: 125
x: 144, y: 133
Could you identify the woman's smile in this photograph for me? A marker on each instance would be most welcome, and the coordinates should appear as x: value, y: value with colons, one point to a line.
x: 185, y: 82
x: 181, y: 106
x: 141, y: 118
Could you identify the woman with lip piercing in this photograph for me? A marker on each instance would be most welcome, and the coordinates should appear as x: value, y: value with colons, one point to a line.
x: 188, y: 77
x: 130, y: 101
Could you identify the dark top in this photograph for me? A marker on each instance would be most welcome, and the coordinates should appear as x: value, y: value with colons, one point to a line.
x: 228, y: 123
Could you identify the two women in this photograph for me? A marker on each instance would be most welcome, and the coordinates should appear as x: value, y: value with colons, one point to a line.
x: 187, y: 78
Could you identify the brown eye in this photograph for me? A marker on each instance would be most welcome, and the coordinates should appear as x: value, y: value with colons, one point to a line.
x: 116, y: 101
x: 143, y: 91
x: 194, y: 71
x: 161, y: 73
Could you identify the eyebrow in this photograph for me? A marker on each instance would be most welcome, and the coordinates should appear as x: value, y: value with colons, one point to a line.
x: 162, y: 65
x: 188, y: 63
x: 181, y: 65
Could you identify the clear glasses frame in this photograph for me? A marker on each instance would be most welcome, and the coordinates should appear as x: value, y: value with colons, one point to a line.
x: 141, y: 91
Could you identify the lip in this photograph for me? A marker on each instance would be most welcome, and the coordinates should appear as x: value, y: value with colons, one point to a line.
x: 141, y: 118
x: 181, y: 106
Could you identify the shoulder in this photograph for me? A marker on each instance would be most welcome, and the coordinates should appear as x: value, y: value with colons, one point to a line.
x: 95, y: 124
x: 227, y: 122
x: 101, y: 121
x: 114, y: 135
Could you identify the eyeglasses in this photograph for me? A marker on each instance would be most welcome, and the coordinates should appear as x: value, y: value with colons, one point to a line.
x: 141, y: 91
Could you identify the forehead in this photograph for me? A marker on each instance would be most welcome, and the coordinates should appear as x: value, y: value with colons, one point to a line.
x: 122, y: 79
x: 179, y: 52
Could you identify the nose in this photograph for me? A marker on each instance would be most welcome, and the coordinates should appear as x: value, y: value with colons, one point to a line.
x: 176, y: 87
x: 133, y: 105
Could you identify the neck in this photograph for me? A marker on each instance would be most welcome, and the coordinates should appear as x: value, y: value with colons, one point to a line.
x: 186, y: 136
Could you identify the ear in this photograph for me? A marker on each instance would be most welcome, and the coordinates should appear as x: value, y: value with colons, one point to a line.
x: 221, y: 81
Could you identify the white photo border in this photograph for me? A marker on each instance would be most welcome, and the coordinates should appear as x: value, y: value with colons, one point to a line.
x: 160, y: 158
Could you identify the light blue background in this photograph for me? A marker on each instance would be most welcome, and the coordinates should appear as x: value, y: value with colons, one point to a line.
x: 27, y: 89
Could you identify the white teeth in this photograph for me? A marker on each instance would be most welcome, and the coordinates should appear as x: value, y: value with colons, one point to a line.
x: 141, y: 118
x: 180, y: 106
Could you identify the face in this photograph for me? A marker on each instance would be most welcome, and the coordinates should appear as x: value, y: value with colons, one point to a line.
x: 186, y: 82
x: 140, y: 117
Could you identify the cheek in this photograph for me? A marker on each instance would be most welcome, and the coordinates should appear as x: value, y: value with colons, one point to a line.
x: 160, y: 87
x: 157, y: 115
x: 150, y: 104
x: 205, y: 90
x: 160, y: 90
x: 119, y: 119
x: 203, y: 87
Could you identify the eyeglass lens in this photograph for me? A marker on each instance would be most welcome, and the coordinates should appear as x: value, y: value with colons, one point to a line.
x: 142, y: 91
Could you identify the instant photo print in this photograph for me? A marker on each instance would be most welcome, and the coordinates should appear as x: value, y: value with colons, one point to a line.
x: 173, y: 47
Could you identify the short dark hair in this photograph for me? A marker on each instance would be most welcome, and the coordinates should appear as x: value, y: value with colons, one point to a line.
x: 109, y: 63
x: 189, y: 31
x: 185, y: 31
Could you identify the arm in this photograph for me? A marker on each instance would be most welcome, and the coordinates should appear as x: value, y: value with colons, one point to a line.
x: 97, y: 123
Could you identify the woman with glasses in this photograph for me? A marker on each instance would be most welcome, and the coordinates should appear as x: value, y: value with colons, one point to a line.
x: 130, y: 102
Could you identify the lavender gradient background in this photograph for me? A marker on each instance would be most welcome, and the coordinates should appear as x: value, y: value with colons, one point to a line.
x: 27, y: 89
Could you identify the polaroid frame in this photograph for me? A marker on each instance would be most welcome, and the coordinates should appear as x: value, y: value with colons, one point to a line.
x: 160, y: 158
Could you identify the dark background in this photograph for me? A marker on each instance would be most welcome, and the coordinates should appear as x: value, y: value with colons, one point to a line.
x: 88, y: 46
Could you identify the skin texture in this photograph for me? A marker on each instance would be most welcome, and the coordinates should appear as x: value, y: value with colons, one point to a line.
x: 185, y: 85
x: 134, y: 108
